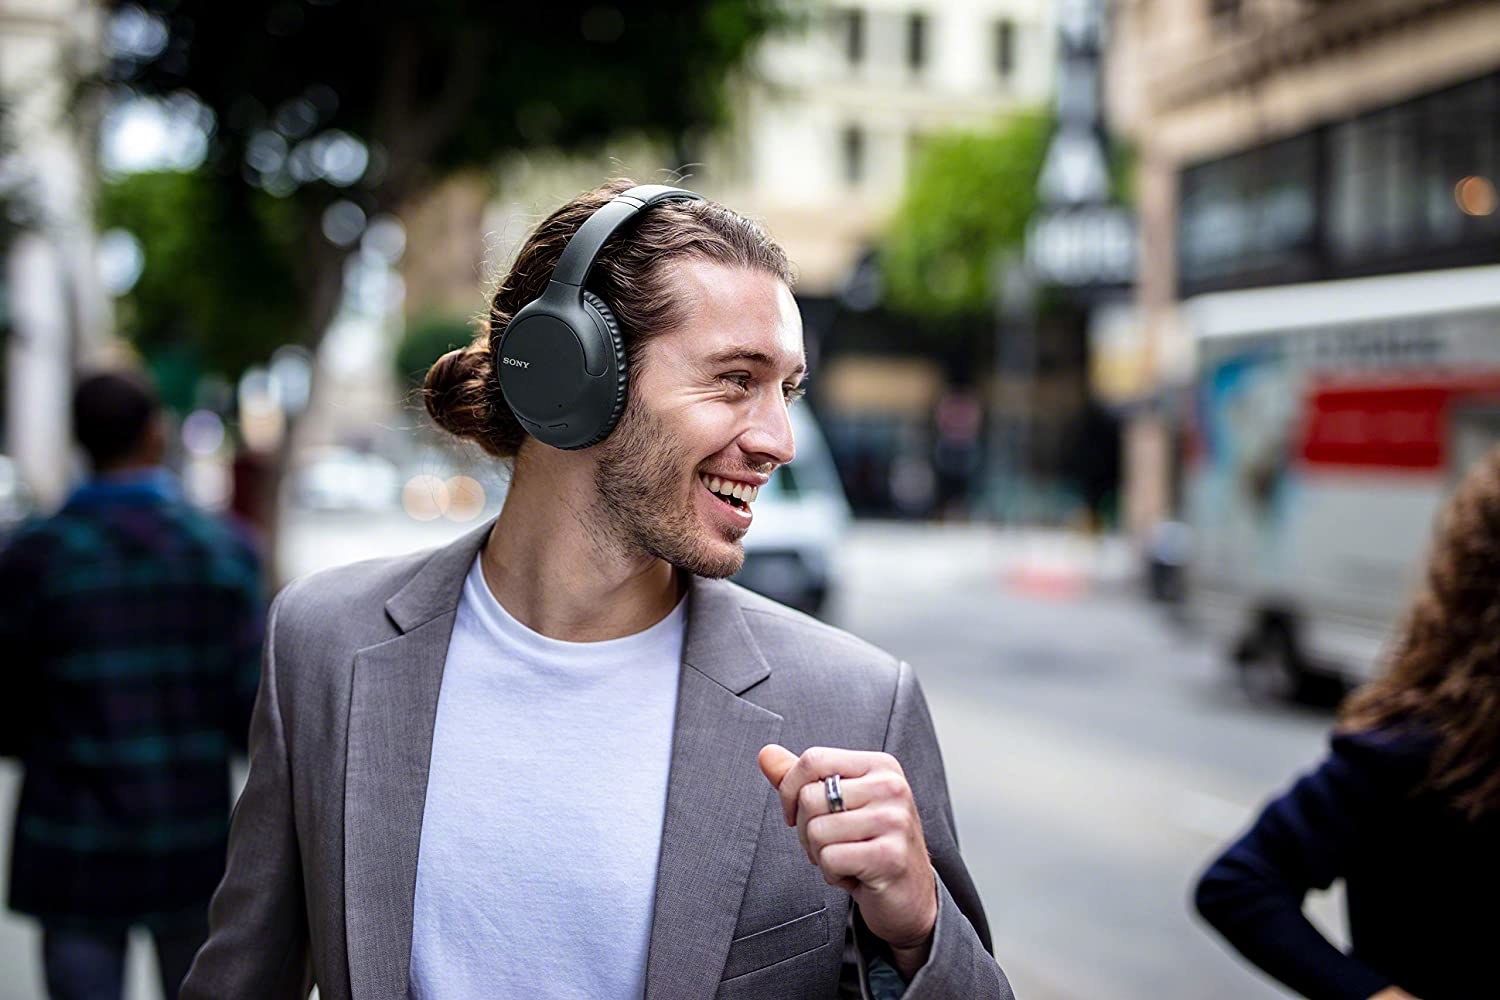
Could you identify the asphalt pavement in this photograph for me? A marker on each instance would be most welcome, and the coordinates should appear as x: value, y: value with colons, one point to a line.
x: 1096, y: 756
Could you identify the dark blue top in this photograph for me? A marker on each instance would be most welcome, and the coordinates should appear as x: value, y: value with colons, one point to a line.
x: 131, y: 627
x: 1421, y: 880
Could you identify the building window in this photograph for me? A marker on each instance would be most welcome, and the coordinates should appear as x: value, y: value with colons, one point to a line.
x: 852, y: 30
x: 1395, y: 175
x: 1252, y: 213
x: 853, y: 142
x: 916, y: 41
x: 1005, y: 48
x: 1404, y: 187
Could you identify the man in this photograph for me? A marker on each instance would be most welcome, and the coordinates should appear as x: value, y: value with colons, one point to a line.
x: 131, y: 624
x: 549, y: 760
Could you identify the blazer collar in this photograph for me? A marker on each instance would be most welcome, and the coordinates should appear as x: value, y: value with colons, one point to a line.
x: 716, y: 795
x: 719, y: 643
x: 436, y: 588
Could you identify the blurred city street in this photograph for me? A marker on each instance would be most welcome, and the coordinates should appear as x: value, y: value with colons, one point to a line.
x: 1146, y: 347
x: 1096, y: 757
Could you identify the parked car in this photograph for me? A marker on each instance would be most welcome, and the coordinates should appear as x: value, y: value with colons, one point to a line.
x: 800, y: 519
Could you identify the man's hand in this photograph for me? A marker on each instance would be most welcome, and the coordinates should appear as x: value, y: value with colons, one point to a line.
x: 873, y: 850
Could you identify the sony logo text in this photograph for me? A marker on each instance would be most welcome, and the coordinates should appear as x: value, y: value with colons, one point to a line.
x: 518, y: 364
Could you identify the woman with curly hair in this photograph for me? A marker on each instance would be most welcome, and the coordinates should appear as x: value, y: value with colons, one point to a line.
x: 1405, y: 808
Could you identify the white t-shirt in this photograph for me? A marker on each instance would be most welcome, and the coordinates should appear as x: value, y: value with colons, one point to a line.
x: 545, y: 801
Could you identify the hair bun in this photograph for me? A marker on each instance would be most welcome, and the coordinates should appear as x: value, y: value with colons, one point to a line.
x: 461, y: 395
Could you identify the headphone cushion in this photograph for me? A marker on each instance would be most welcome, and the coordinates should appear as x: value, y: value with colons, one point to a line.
x: 622, y: 375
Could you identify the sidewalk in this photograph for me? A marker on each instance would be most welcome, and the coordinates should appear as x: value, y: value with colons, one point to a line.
x: 21, y: 938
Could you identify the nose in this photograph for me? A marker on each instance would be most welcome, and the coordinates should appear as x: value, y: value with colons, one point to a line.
x: 768, y: 438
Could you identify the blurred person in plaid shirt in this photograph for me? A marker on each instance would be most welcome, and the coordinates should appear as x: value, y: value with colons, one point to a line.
x: 131, y: 623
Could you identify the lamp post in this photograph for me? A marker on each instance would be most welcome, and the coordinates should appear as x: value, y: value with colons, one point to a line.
x: 1014, y: 373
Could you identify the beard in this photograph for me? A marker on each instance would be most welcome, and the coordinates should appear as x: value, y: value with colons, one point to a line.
x: 643, y: 507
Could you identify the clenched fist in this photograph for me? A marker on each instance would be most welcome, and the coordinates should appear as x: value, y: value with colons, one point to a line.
x: 874, y: 849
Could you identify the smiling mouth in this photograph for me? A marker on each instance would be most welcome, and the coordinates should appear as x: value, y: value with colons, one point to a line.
x: 737, y: 495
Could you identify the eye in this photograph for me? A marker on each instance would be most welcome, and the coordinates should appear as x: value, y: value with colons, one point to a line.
x: 740, y: 380
x: 793, y: 392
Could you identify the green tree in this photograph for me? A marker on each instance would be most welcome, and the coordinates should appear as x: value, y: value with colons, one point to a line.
x: 329, y: 101
x: 426, y: 339
x: 223, y: 306
x: 967, y: 199
x: 340, y: 111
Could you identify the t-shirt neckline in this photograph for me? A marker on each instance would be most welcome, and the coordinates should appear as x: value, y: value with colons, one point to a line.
x: 500, y: 622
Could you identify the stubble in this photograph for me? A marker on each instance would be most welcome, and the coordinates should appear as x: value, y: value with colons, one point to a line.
x: 641, y: 505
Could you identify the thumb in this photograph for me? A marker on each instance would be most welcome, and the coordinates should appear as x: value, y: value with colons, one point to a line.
x: 775, y: 761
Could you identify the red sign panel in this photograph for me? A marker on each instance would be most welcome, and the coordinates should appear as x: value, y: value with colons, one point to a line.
x: 1387, y: 425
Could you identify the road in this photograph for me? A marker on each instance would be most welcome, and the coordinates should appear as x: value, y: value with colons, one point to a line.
x: 1096, y: 758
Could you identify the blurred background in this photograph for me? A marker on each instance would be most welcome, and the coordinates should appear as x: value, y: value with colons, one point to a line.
x: 1146, y: 337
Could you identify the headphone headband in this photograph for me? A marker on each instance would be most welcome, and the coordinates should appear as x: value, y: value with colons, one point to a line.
x: 562, y: 365
x: 578, y: 256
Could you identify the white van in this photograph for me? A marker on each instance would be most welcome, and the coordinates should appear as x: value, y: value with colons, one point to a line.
x: 1332, y: 420
x: 800, y: 519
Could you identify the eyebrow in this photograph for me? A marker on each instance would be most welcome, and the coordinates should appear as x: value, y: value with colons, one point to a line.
x: 752, y: 355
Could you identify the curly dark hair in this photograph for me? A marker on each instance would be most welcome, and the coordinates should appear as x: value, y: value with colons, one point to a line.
x: 1444, y: 671
x: 632, y: 273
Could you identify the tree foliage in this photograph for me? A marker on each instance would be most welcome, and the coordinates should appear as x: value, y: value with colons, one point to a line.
x: 320, y: 101
x: 426, y: 339
x: 967, y: 199
x: 225, y: 304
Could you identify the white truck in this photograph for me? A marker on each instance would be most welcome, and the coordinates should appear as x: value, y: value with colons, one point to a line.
x: 800, y: 521
x: 1330, y: 422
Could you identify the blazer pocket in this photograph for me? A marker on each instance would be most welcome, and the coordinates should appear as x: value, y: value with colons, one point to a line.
x: 776, y: 944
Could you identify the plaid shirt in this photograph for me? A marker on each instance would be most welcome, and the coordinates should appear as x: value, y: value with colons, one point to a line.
x: 131, y: 624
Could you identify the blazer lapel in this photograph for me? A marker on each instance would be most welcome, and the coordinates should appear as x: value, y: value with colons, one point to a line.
x: 392, y: 711
x: 716, y: 798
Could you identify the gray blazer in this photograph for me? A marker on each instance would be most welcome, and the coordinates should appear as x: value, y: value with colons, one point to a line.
x: 323, y: 845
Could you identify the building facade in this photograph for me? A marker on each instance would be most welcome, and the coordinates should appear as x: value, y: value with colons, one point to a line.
x: 829, y: 118
x: 1295, y: 158
x: 824, y: 123
x: 827, y: 127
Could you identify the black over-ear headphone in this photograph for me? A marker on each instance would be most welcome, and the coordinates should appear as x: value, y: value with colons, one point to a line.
x: 562, y: 363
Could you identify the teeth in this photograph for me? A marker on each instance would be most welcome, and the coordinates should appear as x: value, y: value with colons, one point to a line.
x: 729, y: 488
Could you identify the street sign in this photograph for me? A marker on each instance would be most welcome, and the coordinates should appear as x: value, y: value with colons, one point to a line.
x: 1079, y: 238
x: 1087, y: 245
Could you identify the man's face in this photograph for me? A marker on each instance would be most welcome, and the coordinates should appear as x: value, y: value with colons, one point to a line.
x: 706, y: 420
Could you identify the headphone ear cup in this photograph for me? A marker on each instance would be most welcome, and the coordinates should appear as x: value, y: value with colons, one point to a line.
x: 616, y: 347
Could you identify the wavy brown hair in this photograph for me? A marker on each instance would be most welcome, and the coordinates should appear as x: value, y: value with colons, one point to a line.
x: 633, y: 273
x: 1444, y: 672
